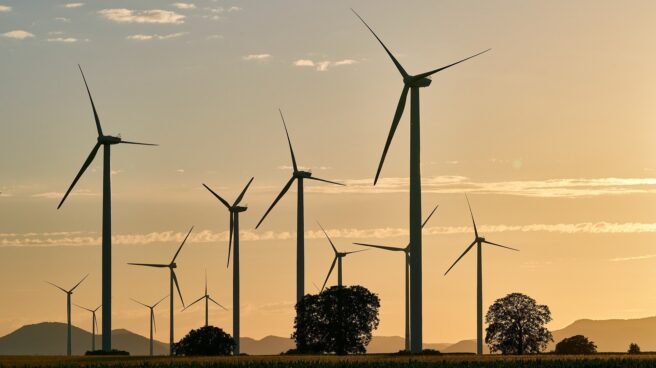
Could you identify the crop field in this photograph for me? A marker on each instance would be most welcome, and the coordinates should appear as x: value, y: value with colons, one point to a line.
x: 460, y: 361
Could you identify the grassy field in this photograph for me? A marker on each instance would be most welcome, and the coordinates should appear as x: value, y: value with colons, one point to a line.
x: 461, y: 361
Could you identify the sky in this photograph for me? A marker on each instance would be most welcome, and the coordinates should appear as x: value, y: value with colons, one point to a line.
x: 550, y: 134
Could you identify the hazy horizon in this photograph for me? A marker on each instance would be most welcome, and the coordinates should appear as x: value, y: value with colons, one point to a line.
x: 550, y: 134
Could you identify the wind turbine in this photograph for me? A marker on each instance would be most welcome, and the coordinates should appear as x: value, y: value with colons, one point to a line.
x: 337, y: 259
x: 106, y: 141
x: 94, y: 324
x: 207, y: 298
x: 234, y: 211
x: 478, y: 241
x: 152, y: 324
x: 68, y: 311
x: 412, y: 84
x: 173, y: 280
x: 406, y: 251
x: 299, y: 175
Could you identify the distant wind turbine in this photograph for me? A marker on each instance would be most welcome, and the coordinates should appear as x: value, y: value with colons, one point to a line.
x: 337, y: 259
x: 68, y: 311
x: 106, y: 141
x: 207, y: 298
x: 172, y: 280
x: 299, y: 175
x: 411, y: 83
x: 151, y: 324
x: 478, y: 241
x: 234, y: 211
x: 406, y: 251
x: 94, y: 324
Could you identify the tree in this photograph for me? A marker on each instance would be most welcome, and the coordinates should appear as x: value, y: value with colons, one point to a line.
x: 207, y: 340
x: 577, y: 344
x: 634, y: 348
x: 338, y: 320
x: 516, y: 325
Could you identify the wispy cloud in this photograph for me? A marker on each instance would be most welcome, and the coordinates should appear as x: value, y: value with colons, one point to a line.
x: 257, y: 57
x: 63, y: 39
x: 5, y: 8
x: 323, y: 66
x: 59, y: 195
x: 549, y: 188
x: 206, y: 236
x: 184, y: 5
x: 63, y: 20
x: 145, y: 37
x: 73, y: 5
x: 18, y: 35
x: 123, y: 15
x: 634, y: 258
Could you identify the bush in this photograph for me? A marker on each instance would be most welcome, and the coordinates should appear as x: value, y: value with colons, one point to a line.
x: 111, y: 352
x: 634, y: 348
x: 206, y: 341
x: 578, y: 344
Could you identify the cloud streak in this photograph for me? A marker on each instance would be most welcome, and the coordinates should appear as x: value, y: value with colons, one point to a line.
x: 256, y: 57
x: 145, y: 37
x: 73, y: 5
x: 78, y: 238
x: 323, y: 66
x: 550, y: 188
x: 18, y: 34
x: 123, y: 15
x: 5, y: 9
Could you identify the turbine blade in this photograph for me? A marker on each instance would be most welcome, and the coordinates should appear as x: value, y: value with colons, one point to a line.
x: 241, y: 195
x: 78, y: 284
x: 356, y: 251
x: 58, y: 287
x: 182, y: 245
x: 136, y: 301
x: 95, y: 322
x: 328, y: 237
x: 93, y: 106
x: 100, y: 306
x: 217, y: 303
x: 332, y: 266
x: 225, y: 203
x: 152, y: 318
x: 196, y: 301
x: 139, y: 143
x: 161, y: 300
x: 472, y: 216
x: 291, y: 150
x: 177, y: 286
x: 462, y: 255
x: 499, y: 245
x: 149, y: 265
x: 428, y: 74
x: 81, y: 307
x: 206, y: 281
x: 325, y: 181
x: 394, y: 249
x: 85, y: 165
x: 429, y: 216
x: 232, y: 226
x: 396, y: 62
x: 395, y: 123
x: 282, y: 193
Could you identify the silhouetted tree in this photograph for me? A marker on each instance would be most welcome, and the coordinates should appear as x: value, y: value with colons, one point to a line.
x: 516, y: 325
x: 338, y: 320
x: 208, y: 340
x: 577, y: 344
x: 634, y: 348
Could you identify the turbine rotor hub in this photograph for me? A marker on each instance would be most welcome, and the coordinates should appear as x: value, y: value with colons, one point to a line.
x: 302, y: 174
x: 414, y: 82
x: 108, y: 139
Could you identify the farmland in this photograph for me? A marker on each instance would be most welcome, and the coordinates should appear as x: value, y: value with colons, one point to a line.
x: 447, y: 360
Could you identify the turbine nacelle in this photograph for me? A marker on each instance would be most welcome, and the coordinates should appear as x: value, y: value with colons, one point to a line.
x: 302, y: 174
x: 417, y: 82
x: 108, y: 139
x: 480, y: 239
x: 238, y: 209
x: 173, y: 265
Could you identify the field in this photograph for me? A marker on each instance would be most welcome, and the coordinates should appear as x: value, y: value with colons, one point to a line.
x: 460, y: 361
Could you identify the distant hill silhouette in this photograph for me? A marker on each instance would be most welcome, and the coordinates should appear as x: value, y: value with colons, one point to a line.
x: 49, y: 338
x: 613, y: 335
